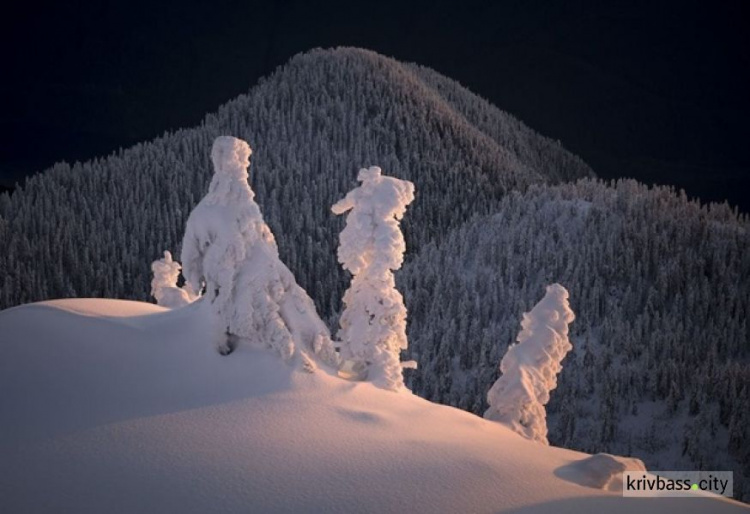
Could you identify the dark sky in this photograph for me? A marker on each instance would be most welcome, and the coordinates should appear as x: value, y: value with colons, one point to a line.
x: 648, y: 89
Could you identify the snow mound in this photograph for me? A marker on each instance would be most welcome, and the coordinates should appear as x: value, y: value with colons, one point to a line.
x: 96, y: 307
x: 104, y: 411
x: 600, y: 471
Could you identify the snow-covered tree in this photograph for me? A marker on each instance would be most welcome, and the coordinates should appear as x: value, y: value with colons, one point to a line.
x: 164, y: 284
x: 659, y: 280
x: 530, y: 367
x: 230, y: 252
x: 373, y: 324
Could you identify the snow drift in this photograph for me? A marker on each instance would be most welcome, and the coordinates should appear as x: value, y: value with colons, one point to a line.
x: 113, y: 406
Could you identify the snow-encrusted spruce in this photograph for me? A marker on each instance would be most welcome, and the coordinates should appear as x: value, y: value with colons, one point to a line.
x: 530, y: 367
x: 164, y: 284
x: 371, y: 247
x: 229, y: 251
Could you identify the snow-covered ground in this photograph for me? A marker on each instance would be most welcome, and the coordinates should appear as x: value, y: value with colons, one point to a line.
x: 115, y: 406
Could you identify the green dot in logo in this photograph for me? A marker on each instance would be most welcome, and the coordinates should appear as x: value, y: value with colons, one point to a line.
x: 694, y: 487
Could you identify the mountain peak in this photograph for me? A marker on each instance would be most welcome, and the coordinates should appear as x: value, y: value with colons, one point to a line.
x: 313, y: 122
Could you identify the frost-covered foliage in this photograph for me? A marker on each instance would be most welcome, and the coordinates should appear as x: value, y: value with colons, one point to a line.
x: 661, y: 290
x: 661, y: 283
x: 91, y: 229
x: 229, y: 252
x: 164, y: 284
x: 530, y: 367
x: 373, y: 324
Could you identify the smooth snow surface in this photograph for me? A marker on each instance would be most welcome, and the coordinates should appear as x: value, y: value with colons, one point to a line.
x: 122, y: 407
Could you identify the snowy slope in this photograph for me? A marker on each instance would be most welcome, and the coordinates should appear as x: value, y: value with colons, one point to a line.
x: 661, y: 345
x: 114, y: 406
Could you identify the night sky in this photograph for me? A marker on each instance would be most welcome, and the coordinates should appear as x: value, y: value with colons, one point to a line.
x: 652, y: 90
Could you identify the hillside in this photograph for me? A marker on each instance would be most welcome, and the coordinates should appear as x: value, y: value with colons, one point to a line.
x: 659, y: 286
x: 92, y: 229
x: 122, y: 407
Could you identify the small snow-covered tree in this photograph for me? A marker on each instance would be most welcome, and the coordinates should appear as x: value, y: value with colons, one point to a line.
x: 164, y: 284
x: 230, y: 252
x: 373, y: 324
x: 530, y: 367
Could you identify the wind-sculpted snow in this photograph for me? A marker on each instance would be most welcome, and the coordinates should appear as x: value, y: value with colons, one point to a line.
x: 230, y: 253
x: 120, y: 407
x: 373, y: 324
x: 529, y: 368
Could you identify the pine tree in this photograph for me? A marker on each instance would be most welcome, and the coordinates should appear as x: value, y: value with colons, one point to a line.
x: 529, y: 369
x: 373, y: 324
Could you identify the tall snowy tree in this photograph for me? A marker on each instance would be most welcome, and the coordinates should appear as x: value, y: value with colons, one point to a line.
x: 229, y: 251
x: 373, y: 324
x: 530, y: 367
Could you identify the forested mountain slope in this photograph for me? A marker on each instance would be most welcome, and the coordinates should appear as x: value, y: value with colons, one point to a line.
x: 659, y: 284
x: 92, y: 229
x: 659, y: 367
